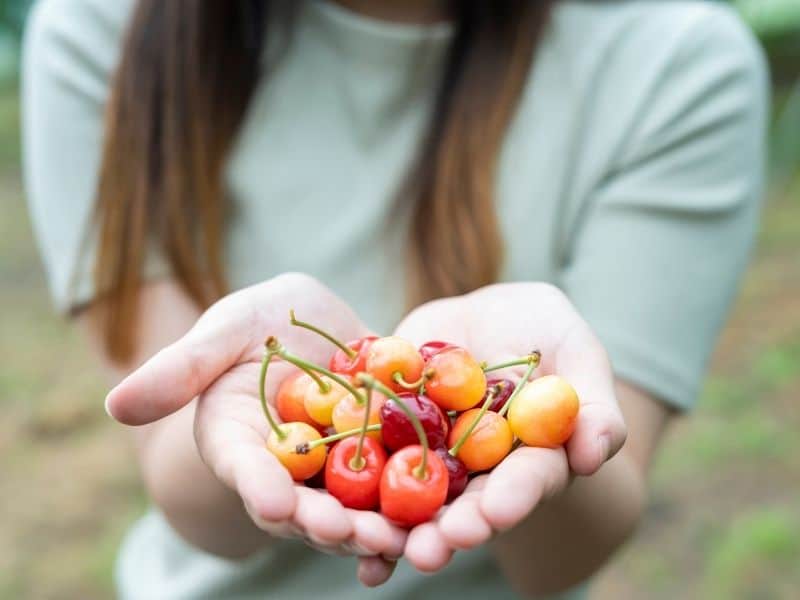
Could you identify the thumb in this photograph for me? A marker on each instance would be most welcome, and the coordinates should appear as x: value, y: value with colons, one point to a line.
x: 176, y: 374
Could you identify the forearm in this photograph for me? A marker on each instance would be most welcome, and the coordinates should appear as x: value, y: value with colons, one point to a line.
x: 567, y: 539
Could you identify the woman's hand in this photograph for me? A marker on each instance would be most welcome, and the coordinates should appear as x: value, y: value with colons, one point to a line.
x: 497, y: 323
x: 218, y: 362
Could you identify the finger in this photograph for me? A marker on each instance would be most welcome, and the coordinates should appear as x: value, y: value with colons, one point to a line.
x: 374, y: 570
x: 179, y: 372
x: 373, y: 535
x: 599, y: 433
x: 427, y: 549
x: 264, y: 485
x: 600, y: 429
x: 323, y: 518
x: 330, y: 549
x: 463, y: 525
x: 520, y: 482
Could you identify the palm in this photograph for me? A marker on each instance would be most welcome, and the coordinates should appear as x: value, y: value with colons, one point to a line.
x: 219, y: 362
x: 495, y: 324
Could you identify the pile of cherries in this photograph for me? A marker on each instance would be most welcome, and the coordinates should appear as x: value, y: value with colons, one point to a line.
x: 408, y: 425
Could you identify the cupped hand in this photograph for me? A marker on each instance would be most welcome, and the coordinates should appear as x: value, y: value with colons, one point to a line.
x: 218, y: 362
x: 495, y: 324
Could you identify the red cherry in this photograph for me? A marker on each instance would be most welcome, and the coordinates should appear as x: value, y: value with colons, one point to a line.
x: 341, y: 363
x: 457, y: 474
x: 355, y: 488
x: 316, y: 481
x: 397, y: 430
x: 447, y: 424
x: 407, y: 499
x: 428, y: 349
x: 503, y: 388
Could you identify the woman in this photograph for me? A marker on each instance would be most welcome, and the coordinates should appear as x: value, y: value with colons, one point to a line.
x: 396, y: 152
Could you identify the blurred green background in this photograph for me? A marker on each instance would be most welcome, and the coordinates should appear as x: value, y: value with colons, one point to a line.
x: 724, y: 516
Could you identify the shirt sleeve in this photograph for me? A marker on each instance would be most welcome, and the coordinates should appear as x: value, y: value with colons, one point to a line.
x: 70, y: 51
x: 657, y: 255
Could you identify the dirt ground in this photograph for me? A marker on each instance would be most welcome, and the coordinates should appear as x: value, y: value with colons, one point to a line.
x: 724, y: 516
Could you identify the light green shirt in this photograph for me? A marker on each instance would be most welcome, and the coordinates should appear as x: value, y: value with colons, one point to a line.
x: 630, y: 177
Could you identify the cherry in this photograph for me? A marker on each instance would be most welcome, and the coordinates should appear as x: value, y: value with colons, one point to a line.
x: 283, y: 440
x: 349, y: 413
x: 457, y: 474
x: 355, y: 487
x: 488, y: 444
x: 544, y: 412
x: 355, y: 361
x: 291, y: 396
x: 394, y: 362
x: 408, y: 497
x: 397, y: 429
x: 317, y: 481
x: 457, y: 381
x: 349, y: 359
x: 319, y: 403
x: 284, y: 446
x: 503, y: 388
x: 428, y: 349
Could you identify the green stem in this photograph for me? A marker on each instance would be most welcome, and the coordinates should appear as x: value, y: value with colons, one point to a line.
x: 261, y: 382
x: 533, y: 364
x: 324, y: 386
x: 464, y: 436
x: 351, y: 354
x: 414, y: 385
x: 357, y: 462
x: 277, y: 348
x: 307, y: 447
x: 534, y: 356
x: 372, y: 383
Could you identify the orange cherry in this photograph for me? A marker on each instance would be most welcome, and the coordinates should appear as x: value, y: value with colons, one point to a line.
x: 349, y: 414
x: 457, y: 381
x: 391, y: 355
x: 319, y: 405
x: 488, y: 444
x: 300, y: 466
x: 544, y: 413
x: 290, y: 399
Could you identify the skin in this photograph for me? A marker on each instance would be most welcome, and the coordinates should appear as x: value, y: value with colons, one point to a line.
x: 217, y: 360
x: 188, y: 438
x: 200, y: 436
x: 531, y: 498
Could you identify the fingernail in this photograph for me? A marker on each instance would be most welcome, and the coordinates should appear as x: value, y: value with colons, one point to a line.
x: 105, y: 405
x: 392, y: 557
x: 358, y: 549
x: 605, y: 445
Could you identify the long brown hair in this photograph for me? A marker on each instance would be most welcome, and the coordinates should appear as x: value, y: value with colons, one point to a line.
x: 187, y: 72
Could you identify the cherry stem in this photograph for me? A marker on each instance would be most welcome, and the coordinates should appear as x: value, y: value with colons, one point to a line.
x: 370, y: 382
x: 324, y: 386
x: 414, y: 385
x: 357, y: 462
x: 307, y: 447
x: 534, y: 362
x: 279, y: 349
x: 351, y: 354
x: 534, y: 356
x: 464, y: 436
x: 261, y: 382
